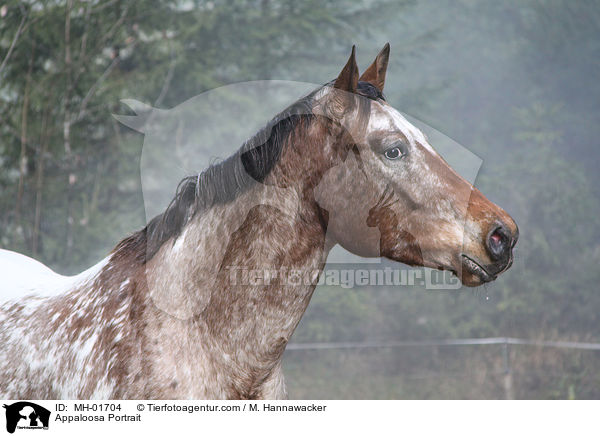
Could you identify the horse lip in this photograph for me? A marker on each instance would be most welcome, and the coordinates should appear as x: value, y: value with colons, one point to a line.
x: 477, y: 269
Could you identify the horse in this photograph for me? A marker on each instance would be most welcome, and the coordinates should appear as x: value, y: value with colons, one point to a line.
x: 163, y: 317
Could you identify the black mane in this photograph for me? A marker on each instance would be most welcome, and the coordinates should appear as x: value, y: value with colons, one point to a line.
x: 224, y: 181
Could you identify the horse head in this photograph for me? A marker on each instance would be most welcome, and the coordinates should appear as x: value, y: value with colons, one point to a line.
x: 426, y: 214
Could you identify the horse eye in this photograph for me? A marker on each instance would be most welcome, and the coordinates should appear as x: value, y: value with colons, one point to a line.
x: 393, y: 153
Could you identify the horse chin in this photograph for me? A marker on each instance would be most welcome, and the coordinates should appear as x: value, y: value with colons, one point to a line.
x: 471, y: 280
x: 473, y: 273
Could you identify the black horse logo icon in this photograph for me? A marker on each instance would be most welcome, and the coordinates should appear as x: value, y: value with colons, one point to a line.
x: 35, y: 416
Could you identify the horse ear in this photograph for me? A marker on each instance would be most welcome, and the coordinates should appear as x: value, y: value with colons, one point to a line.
x: 348, y: 78
x: 375, y: 74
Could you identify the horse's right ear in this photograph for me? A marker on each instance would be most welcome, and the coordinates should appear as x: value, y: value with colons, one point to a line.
x: 348, y: 78
x: 375, y: 74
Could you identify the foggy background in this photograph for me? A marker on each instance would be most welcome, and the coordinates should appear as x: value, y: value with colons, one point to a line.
x: 515, y: 83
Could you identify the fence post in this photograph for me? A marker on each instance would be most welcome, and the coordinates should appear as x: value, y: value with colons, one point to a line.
x: 508, y: 381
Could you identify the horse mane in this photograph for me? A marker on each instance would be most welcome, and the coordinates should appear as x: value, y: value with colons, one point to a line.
x: 224, y: 181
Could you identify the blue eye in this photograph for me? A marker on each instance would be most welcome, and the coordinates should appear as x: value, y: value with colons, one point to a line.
x: 393, y: 153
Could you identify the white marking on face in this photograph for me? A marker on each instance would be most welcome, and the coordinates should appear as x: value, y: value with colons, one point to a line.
x: 385, y: 117
x: 387, y: 125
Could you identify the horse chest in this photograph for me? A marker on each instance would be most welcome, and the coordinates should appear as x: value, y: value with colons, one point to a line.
x: 185, y: 360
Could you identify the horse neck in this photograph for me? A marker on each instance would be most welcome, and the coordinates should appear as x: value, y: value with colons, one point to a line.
x: 233, y: 271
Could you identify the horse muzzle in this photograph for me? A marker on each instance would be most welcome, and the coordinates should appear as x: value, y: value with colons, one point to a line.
x: 499, y: 244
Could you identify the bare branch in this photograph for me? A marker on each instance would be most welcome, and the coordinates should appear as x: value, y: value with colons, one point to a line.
x: 14, y: 42
x: 85, y: 33
x: 94, y: 88
x: 167, y: 83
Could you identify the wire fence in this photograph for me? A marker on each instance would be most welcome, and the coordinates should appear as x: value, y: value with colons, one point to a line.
x: 523, y: 368
x: 442, y: 342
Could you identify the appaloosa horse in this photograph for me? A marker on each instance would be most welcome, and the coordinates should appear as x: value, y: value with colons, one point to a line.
x: 161, y: 318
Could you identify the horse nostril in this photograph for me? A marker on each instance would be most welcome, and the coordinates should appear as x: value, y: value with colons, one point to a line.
x: 498, y: 243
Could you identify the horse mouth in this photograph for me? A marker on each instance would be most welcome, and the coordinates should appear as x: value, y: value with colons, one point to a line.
x: 476, y: 269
